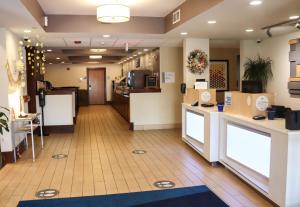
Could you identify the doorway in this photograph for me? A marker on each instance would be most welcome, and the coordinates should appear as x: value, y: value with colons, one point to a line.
x: 96, y: 84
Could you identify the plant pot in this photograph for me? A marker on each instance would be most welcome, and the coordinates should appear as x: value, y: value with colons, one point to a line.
x: 249, y: 86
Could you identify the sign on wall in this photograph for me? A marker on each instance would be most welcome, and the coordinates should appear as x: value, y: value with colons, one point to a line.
x: 169, y: 77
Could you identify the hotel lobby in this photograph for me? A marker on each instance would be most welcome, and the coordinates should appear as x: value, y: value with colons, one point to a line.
x: 139, y: 103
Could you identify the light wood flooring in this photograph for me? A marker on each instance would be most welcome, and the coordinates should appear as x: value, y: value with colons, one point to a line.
x: 100, y: 161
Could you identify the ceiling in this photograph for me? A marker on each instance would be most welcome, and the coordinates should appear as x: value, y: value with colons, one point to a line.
x: 150, y: 8
x: 235, y: 16
x: 232, y: 16
x: 80, y: 55
x: 14, y: 16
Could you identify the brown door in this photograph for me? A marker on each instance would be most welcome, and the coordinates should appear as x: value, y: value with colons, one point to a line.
x: 96, y: 85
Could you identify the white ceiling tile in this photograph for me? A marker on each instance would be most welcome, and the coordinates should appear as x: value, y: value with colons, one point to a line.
x: 54, y: 42
x: 98, y: 42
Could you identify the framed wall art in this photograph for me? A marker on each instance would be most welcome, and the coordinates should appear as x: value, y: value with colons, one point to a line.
x: 219, y: 75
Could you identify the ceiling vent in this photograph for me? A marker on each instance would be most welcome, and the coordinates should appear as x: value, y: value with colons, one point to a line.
x: 176, y: 16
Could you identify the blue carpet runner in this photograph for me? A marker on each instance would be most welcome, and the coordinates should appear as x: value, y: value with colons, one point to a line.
x: 199, y: 196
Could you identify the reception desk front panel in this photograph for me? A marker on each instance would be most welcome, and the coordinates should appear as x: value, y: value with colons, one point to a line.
x: 195, y: 126
x: 249, y: 147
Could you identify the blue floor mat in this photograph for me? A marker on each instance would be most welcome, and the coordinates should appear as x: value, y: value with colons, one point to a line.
x: 199, y: 196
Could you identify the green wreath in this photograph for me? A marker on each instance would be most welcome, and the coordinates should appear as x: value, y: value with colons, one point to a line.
x: 197, y: 61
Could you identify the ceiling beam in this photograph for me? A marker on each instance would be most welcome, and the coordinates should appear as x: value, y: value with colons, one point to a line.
x: 188, y: 10
x: 89, y: 24
x: 35, y: 10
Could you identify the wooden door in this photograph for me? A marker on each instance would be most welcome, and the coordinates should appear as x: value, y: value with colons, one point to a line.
x: 97, y: 86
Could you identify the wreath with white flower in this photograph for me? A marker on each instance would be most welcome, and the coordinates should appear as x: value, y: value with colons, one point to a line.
x: 197, y: 61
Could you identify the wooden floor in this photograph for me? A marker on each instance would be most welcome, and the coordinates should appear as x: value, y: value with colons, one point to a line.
x: 100, y: 161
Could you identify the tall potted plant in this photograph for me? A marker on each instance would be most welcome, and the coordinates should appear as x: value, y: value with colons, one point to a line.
x: 3, y: 126
x: 258, y: 71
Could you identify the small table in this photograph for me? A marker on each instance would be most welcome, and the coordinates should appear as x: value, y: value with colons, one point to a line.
x: 29, y: 129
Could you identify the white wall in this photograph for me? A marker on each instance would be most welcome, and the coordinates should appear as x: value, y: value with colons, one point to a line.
x: 9, y: 96
x: 59, y: 76
x: 277, y: 48
x: 188, y: 46
x: 160, y: 110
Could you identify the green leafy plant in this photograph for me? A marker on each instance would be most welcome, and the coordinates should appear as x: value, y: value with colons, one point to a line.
x: 258, y: 69
x: 3, y: 121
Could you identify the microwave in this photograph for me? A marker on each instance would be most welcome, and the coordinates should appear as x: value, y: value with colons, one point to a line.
x: 151, y: 81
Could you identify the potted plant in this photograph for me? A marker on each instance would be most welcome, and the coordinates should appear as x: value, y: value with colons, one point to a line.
x: 3, y: 126
x: 258, y: 71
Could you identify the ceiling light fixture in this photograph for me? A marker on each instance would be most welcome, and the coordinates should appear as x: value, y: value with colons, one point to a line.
x: 27, y: 31
x: 62, y: 62
x: 255, y: 3
x: 184, y: 33
x: 106, y: 36
x: 249, y: 30
x: 49, y: 50
x: 113, y: 13
x: 146, y: 50
x: 58, y: 58
x: 294, y: 17
x: 98, y: 50
x: 50, y: 63
x: 140, y: 53
x: 212, y: 22
x: 95, y: 56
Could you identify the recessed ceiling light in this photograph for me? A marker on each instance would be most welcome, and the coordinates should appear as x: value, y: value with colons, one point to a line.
x: 98, y: 50
x: 249, y: 30
x: 184, y: 33
x: 95, y: 56
x: 58, y: 58
x: 50, y: 63
x: 49, y: 50
x: 212, y: 22
x: 62, y: 62
x: 27, y: 31
x: 134, y: 55
x: 294, y: 17
x: 106, y: 36
x: 140, y: 53
x: 255, y: 3
x: 146, y: 50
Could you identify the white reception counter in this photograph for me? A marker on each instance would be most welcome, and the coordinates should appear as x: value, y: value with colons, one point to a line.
x: 263, y: 153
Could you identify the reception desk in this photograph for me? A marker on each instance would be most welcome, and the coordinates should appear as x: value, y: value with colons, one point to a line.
x: 262, y: 153
x: 200, y: 130
x: 59, y: 111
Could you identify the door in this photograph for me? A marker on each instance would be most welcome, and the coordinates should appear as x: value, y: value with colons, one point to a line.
x: 97, y: 85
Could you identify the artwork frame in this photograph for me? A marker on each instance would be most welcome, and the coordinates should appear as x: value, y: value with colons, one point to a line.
x: 219, y: 75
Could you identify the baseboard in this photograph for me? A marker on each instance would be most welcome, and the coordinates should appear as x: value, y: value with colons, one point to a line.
x: 60, y: 129
x: 156, y: 126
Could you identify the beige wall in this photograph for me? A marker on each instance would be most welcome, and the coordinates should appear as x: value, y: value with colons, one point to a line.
x: 229, y: 54
x: 189, y: 45
x: 160, y: 110
x: 59, y: 76
x: 277, y: 48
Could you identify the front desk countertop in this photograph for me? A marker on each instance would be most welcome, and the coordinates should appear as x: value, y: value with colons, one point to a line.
x: 281, y: 184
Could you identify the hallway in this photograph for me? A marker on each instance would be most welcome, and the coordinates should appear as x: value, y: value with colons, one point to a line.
x: 100, y: 161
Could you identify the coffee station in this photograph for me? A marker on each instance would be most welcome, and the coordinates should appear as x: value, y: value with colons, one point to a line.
x: 248, y: 134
